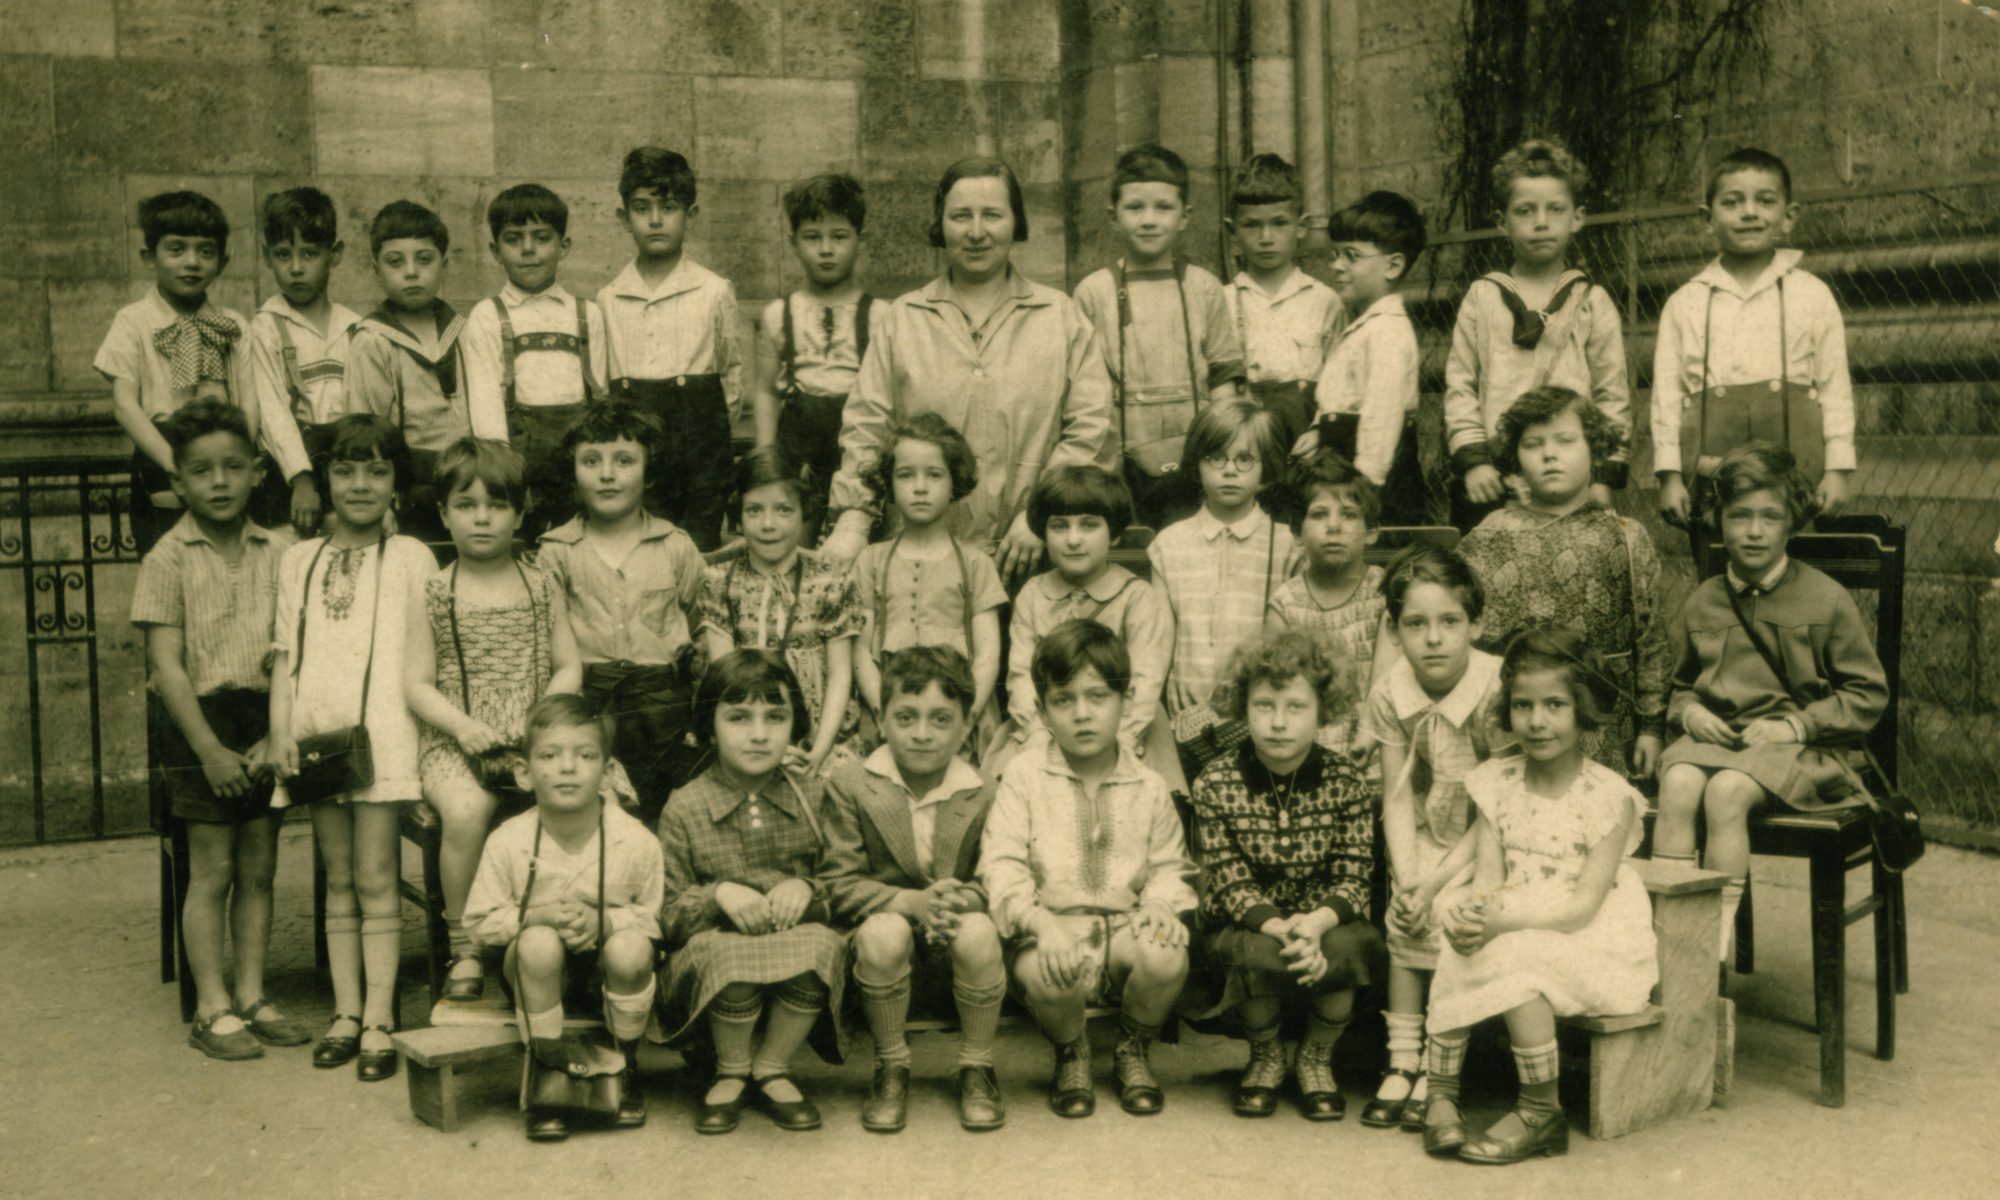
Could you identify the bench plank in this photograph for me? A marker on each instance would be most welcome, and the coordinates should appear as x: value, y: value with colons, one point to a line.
x: 1646, y: 1017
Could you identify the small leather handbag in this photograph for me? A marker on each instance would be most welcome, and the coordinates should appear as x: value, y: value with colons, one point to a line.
x: 339, y: 760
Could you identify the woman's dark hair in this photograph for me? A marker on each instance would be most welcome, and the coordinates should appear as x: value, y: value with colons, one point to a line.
x: 748, y: 677
x: 1277, y: 659
x: 1326, y: 471
x: 912, y: 669
x: 183, y: 214
x: 932, y: 428
x: 494, y: 463
x: 363, y: 437
x: 978, y: 167
x: 1073, y: 647
x: 1755, y: 466
x: 304, y: 212
x: 612, y: 421
x: 1545, y: 404
x: 200, y: 418
x: 1430, y: 564
x: 1079, y: 491
x: 1559, y: 648
x: 774, y: 464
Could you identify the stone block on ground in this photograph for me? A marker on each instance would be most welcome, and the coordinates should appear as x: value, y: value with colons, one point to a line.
x: 27, y: 122
x: 24, y: 351
x: 71, y: 27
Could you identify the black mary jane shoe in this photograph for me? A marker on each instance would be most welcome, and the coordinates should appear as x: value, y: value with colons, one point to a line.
x: 1444, y: 1138
x: 460, y: 989
x: 631, y: 1100
x: 723, y: 1117
x: 1551, y: 1137
x: 1413, y: 1115
x: 1070, y: 1091
x: 1388, y: 1114
x: 373, y: 1066
x: 547, y: 1125
x: 795, y: 1116
x: 337, y: 1050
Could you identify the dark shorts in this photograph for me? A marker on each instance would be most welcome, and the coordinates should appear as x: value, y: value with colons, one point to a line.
x: 693, y: 468
x: 1404, y: 494
x: 239, y: 718
x: 652, y: 712
x: 582, y: 986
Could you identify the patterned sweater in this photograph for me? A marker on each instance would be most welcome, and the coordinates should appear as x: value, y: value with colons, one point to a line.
x: 1271, y: 848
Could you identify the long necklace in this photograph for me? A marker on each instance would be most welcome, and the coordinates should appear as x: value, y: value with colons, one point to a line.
x: 1281, y: 797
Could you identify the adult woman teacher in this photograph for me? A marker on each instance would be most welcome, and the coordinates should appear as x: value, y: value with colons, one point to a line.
x: 1011, y: 364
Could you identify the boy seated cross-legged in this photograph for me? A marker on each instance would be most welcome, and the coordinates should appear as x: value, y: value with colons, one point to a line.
x: 1088, y: 875
x: 572, y: 890
x: 903, y: 829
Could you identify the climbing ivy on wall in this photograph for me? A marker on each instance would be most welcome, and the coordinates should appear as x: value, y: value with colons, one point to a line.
x: 1625, y: 83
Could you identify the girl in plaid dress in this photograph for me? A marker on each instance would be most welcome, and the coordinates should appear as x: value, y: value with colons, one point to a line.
x: 780, y: 598
x: 744, y: 911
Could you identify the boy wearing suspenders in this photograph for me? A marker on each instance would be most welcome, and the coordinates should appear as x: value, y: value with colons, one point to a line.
x: 811, y: 343
x: 532, y: 351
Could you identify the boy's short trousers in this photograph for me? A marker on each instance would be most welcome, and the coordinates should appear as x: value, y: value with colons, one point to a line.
x: 694, y: 466
x: 239, y: 718
x: 652, y: 712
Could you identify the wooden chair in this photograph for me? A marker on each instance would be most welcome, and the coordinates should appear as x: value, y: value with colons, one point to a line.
x: 1863, y: 552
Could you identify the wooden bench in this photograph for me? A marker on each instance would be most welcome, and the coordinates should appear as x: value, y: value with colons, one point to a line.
x: 1672, y: 1058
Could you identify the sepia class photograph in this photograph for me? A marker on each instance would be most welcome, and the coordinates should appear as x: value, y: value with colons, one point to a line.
x: 974, y: 599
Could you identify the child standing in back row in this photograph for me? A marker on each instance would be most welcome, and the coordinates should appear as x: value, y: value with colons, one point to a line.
x: 1367, y: 395
x: 672, y: 328
x: 1164, y: 328
x: 1751, y: 347
x: 298, y: 348
x: 172, y: 348
x: 811, y: 343
x: 1285, y: 319
x: 534, y: 351
x: 1540, y: 323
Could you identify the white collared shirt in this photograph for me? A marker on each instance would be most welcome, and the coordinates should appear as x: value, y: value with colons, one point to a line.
x: 685, y: 326
x: 541, y: 377
x: 1286, y: 331
x: 1372, y: 372
x: 322, y: 362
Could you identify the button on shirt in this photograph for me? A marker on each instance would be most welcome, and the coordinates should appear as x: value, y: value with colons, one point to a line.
x: 1742, y: 332
x: 1118, y: 600
x: 1286, y: 331
x: 1372, y: 372
x: 224, y: 610
x: 548, y: 377
x: 1219, y: 579
x: 636, y: 612
x: 322, y: 376
x: 685, y: 326
x: 958, y: 779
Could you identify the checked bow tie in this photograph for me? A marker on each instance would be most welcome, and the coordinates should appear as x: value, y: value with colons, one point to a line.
x: 195, y: 347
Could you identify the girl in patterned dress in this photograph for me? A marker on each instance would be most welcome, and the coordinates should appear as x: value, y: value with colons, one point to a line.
x: 489, y: 635
x: 1562, y: 557
x: 745, y: 913
x: 343, y: 602
x: 1285, y: 833
x: 1556, y: 922
x: 789, y: 601
x: 924, y: 587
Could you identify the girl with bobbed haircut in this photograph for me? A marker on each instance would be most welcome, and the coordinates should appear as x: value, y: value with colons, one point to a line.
x: 748, y: 677
x: 1277, y: 659
x: 774, y: 464
x: 978, y: 167
x: 1564, y: 650
x: 933, y: 428
x: 1545, y: 404
x: 1756, y: 466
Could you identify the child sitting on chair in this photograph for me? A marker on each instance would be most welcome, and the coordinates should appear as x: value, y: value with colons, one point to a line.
x: 572, y: 889
x: 1776, y: 683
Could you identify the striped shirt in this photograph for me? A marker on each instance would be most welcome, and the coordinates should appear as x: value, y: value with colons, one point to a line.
x: 684, y: 326
x: 637, y: 611
x: 224, y: 610
x: 322, y: 376
x: 1219, y: 579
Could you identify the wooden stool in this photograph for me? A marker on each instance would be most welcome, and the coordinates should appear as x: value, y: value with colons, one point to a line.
x: 1649, y: 1067
x: 432, y: 1057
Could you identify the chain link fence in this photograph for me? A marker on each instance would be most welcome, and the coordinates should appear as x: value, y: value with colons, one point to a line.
x: 1916, y: 270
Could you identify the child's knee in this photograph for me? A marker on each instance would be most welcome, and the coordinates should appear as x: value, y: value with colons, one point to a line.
x: 539, y: 952
x: 883, y: 942
x: 976, y: 945
x: 1681, y: 787
x: 1730, y: 797
x: 739, y: 995
x: 627, y: 954
x: 1153, y: 963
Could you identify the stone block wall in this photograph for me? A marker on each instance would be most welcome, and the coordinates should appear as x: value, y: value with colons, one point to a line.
x: 448, y: 101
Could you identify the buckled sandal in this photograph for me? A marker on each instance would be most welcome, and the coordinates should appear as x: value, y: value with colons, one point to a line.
x: 337, y: 1050
x: 271, y: 1027
x: 1551, y: 1137
x: 1388, y: 1114
x: 796, y: 1116
x: 723, y: 1117
x: 235, y: 1046
x: 463, y: 988
x: 373, y: 1066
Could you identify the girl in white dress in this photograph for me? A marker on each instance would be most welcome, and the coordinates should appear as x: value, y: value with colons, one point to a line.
x: 342, y: 603
x: 1555, y: 923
